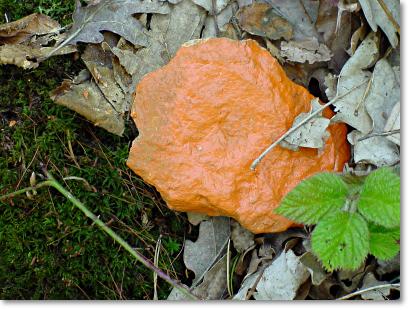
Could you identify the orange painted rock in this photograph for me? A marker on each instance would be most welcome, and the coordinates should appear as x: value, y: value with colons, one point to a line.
x: 205, y: 116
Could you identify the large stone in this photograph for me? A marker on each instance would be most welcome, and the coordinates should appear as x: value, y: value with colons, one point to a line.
x: 205, y: 116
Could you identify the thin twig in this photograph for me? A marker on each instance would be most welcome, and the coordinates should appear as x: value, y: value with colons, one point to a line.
x: 138, y: 256
x: 293, y: 129
x: 394, y: 286
x: 379, y: 134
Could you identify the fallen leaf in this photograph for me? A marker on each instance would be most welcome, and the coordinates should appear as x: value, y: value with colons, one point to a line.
x: 26, y: 56
x: 354, y: 79
x: 315, y: 268
x: 260, y: 19
x: 100, y: 65
x: 87, y: 99
x: 388, y: 266
x: 376, y: 294
x: 393, y: 123
x: 196, y: 218
x: 242, y: 238
x: 199, y: 256
x: 25, y: 28
x: 312, y: 134
x: 114, y: 16
x: 308, y: 50
x: 388, y: 20
x: 298, y: 16
x: 167, y: 34
x: 222, y: 19
x: 377, y: 151
x: 279, y: 281
x: 382, y: 96
x: 207, y: 5
x: 212, y: 287
x: 349, y: 280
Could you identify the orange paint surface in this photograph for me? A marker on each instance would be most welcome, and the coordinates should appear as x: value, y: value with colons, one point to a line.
x: 204, y: 117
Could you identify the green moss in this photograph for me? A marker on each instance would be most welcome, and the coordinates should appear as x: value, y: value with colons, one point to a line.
x: 48, y: 248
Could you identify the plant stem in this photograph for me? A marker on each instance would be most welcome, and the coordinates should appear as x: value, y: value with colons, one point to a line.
x: 138, y: 256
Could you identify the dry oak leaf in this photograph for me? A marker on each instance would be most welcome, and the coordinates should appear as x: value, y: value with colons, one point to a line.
x: 114, y: 16
x: 206, y: 115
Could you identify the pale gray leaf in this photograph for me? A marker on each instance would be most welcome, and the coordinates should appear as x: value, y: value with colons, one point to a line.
x: 376, y: 16
x: 353, y: 81
x: 306, y: 50
x: 212, y: 287
x: 383, y: 94
x: 376, y: 294
x: 242, y: 238
x: 312, y: 134
x: 378, y: 150
x: 393, y: 123
x: 199, y: 256
x: 114, y: 16
x: 279, y: 281
x: 298, y: 16
x: 207, y: 5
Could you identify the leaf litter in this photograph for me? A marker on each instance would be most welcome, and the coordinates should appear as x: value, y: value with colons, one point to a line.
x: 124, y: 40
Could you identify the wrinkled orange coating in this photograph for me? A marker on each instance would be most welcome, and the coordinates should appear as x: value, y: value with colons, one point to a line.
x: 206, y: 115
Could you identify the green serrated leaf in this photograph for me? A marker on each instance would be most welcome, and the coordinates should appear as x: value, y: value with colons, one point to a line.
x: 379, y: 200
x: 341, y: 240
x: 383, y: 242
x: 313, y: 198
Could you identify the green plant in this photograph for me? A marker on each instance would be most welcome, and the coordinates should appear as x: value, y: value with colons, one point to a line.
x: 354, y: 216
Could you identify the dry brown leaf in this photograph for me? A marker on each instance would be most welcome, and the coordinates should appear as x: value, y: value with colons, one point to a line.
x: 260, y: 19
x: 88, y: 100
x: 25, y: 28
x: 26, y: 56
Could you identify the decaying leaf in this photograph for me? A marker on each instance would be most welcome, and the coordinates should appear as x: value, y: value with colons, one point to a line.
x: 212, y: 287
x: 114, y: 16
x: 26, y: 56
x: 260, y: 19
x: 196, y: 218
x: 387, y: 17
x: 25, y: 28
x: 300, y: 14
x: 280, y: 281
x: 199, y: 256
x: 242, y: 238
x: 315, y: 268
x: 388, y: 266
x: 222, y: 20
x: 375, y: 150
x: 382, y: 95
x: 354, y: 79
x: 349, y: 280
x: 393, y: 123
x: 88, y: 100
x: 168, y: 32
x: 25, y: 42
x: 207, y: 5
x: 376, y: 294
x: 313, y: 134
x: 307, y: 50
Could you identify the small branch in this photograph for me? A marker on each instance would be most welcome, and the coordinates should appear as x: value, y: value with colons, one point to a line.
x: 293, y: 129
x: 379, y: 134
x: 377, y: 287
x: 138, y: 256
